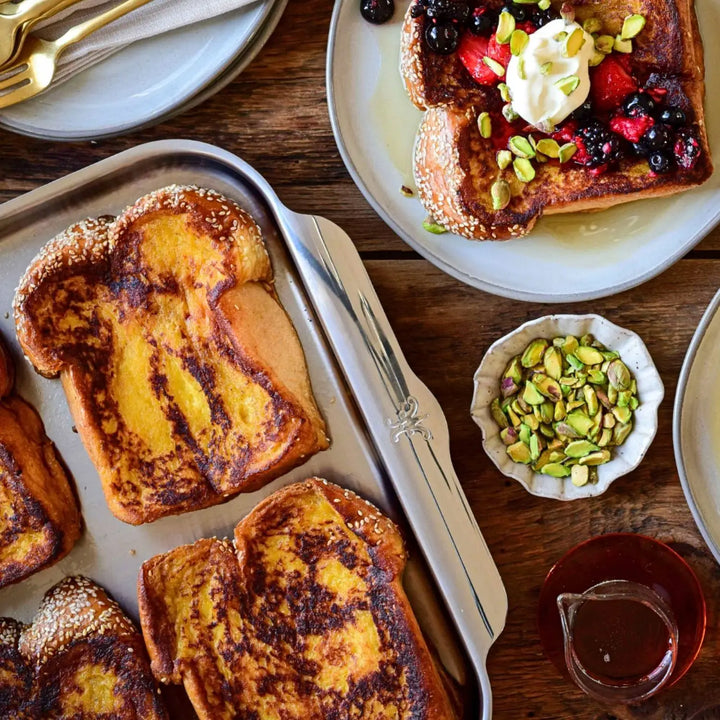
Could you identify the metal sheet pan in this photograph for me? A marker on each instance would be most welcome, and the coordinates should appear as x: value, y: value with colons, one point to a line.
x: 389, y: 437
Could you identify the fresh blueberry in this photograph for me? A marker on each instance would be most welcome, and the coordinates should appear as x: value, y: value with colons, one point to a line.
x: 673, y: 116
x: 658, y: 137
x: 521, y: 13
x: 638, y: 103
x: 377, y: 11
x: 660, y: 162
x: 442, y: 37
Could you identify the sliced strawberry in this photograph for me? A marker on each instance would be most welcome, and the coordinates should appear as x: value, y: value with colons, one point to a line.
x: 472, y: 50
x: 499, y: 52
x: 610, y: 83
x: 633, y: 128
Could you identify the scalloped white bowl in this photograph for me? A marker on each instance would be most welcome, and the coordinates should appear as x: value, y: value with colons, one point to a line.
x: 626, y: 457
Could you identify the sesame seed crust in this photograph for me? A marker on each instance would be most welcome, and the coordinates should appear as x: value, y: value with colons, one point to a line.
x: 74, y: 609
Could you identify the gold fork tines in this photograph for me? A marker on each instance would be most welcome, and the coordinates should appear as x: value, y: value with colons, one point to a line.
x: 17, y: 19
x: 34, y: 68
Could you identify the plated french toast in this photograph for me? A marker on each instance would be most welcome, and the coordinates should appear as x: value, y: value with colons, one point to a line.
x: 39, y: 516
x: 80, y: 658
x: 305, y: 617
x: 536, y: 109
x: 184, y: 374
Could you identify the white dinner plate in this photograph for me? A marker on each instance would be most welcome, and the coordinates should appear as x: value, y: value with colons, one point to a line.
x: 145, y: 82
x: 696, y: 424
x: 571, y: 257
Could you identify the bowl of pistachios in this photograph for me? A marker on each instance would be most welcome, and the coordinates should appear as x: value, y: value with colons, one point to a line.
x: 567, y: 404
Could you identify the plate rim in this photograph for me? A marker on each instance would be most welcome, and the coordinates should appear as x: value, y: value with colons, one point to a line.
x: 459, y: 273
x: 688, y: 362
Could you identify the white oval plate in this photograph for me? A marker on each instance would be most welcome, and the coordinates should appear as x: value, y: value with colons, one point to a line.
x: 140, y: 84
x: 626, y: 457
x: 696, y: 424
x: 567, y: 258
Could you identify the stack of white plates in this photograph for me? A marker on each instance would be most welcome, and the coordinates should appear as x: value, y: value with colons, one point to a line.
x: 150, y: 80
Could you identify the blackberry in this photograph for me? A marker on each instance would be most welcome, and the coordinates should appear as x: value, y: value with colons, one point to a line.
x: 377, y: 11
x: 417, y: 10
x: 658, y: 137
x: 521, y: 13
x: 686, y: 149
x: 673, y: 116
x: 483, y: 21
x: 583, y: 114
x: 601, y: 144
x: 442, y: 37
x: 543, y: 17
x: 448, y: 10
x: 638, y: 103
x: 660, y: 162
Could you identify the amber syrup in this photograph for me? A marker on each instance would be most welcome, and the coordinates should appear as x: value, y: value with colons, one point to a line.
x: 631, y: 635
x: 619, y: 641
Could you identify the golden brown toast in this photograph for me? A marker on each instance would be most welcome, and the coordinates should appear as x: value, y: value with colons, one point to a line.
x: 39, y: 516
x: 80, y: 659
x: 305, y: 617
x: 183, y: 372
x: 455, y: 167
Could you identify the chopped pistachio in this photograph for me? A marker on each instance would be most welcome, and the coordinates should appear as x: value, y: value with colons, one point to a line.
x: 549, y: 147
x: 433, y: 227
x: 568, y: 84
x: 494, y: 65
x: 604, y: 44
x: 505, y: 27
x: 621, y: 45
x: 566, y: 152
x: 592, y: 25
x: 632, y: 25
x: 518, y: 41
x: 509, y: 113
x: 544, y: 4
x: 573, y: 43
x: 524, y: 170
x: 500, y: 193
x: 503, y: 158
x: 521, y: 146
x: 596, y: 59
x: 504, y: 92
x: 484, y: 124
x: 546, y: 68
x: 579, y: 475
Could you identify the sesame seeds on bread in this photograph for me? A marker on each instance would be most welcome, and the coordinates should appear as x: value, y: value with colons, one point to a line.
x: 81, y: 657
x: 183, y: 373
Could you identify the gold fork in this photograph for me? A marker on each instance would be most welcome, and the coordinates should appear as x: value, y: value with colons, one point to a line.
x: 36, y: 63
x: 16, y: 19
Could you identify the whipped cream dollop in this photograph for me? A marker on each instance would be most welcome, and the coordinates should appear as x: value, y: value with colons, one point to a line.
x: 536, y: 77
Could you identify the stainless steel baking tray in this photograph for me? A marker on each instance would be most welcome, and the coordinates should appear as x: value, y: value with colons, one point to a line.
x: 389, y: 436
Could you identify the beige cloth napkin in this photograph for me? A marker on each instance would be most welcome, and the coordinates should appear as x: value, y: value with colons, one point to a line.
x: 154, y: 18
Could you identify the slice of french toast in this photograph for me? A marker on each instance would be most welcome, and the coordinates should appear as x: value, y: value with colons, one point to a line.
x: 39, y: 516
x: 184, y: 374
x: 80, y: 658
x: 305, y: 617
x: 482, y: 184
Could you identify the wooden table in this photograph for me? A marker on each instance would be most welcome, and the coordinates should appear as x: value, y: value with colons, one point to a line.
x: 274, y: 115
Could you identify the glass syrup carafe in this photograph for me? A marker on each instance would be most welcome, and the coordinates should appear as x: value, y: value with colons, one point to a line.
x: 620, y: 640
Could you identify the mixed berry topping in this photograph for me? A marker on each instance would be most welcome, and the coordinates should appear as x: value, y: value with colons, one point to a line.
x: 601, y: 146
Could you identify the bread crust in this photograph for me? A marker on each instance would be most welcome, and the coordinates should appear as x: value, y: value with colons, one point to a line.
x: 80, y: 657
x: 455, y: 167
x: 165, y: 329
x: 40, y: 519
x: 284, y: 622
